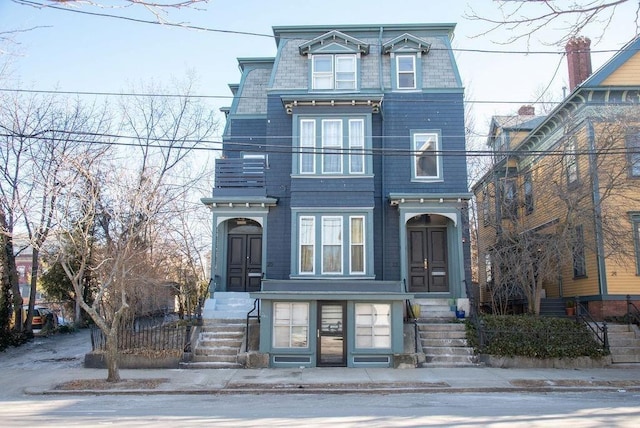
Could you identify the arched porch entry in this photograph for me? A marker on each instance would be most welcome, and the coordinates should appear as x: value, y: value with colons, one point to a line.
x: 427, y: 254
x: 243, y: 255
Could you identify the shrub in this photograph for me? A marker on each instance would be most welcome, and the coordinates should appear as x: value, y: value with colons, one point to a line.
x: 534, y: 337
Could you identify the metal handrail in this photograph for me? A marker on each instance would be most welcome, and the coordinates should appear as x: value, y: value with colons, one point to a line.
x: 256, y: 307
x: 633, y: 313
x: 411, y: 316
x: 601, y: 332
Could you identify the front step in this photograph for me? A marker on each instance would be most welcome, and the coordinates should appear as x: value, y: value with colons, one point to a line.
x: 435, y: 310
x: 219, y: 343
x: 445, y: 345
x: 624, y: 343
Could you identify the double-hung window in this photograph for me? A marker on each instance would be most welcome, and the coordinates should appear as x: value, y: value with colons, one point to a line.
x: 406, y: 71
x: 571, y: 159
x: 290, y: 325
x: 633, y: 149
x: 635, y: 222
x: 579, y: 262
x: 331, y: 146
x: 334, y: 72
x: 332, y: 244
x: 528, y: 193
x: 373, y: 325
x: 426, y: 156
x: 307, y: 146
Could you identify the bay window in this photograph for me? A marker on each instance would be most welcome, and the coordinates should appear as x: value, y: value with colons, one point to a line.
x: 332, y: 244
x: 331, y: 146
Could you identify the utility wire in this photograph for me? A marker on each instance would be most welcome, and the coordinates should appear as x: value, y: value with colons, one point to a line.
x: 288, y: 149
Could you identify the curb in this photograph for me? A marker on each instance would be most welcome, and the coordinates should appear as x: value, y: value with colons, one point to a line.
x: 336, y: 391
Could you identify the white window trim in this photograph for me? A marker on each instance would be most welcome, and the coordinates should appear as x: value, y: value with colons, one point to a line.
x: 333, y: 74
x: 372, y: 326
x: 436, y: 154
x: 316, y: 75
x: 290, y: 324
x: 306, y: 148
x: 312, y: 244
x: 572, y: 162
x: 356, y: 150
x: 363, y: 244
x: 339, y: 147
x: 413, y: 72
x: 323, y: 244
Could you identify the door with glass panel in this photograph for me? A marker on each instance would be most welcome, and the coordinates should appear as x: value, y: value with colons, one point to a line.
x: 330, y: 335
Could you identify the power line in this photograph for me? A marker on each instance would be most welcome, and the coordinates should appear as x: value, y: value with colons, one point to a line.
x: 340, y: 96
x: 288, y: 149
x: 254, y: 34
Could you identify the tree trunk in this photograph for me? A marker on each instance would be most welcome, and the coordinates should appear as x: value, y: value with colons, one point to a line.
x: 34, y: 281
x: 111, y: 355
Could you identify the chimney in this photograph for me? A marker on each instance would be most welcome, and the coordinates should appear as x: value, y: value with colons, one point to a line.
x: 527, y: 111
x: 578, y: 51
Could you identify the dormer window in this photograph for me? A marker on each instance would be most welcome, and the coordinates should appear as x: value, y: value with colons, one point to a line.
x: 406, y: 52
x: 406, y: 71
x: 334, y: 72
x: 333, y: 61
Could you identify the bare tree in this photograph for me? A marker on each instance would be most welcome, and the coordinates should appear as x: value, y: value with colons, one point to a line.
x: 530, y: 250
x: 528, y: 18
x: 38, y: 133
x: 130, y: 202
x: 159, y: 8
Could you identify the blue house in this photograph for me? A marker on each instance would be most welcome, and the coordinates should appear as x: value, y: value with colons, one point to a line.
x: 340, y: 200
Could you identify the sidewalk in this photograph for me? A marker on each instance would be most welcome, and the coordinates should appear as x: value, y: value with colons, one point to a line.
x: 338, y: 380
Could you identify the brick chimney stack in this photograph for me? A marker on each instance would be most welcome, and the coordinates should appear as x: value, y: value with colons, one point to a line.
x: 578, y: 51
x: 527, y: 111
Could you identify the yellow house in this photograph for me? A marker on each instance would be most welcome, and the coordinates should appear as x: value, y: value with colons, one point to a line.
x: 559, y: 208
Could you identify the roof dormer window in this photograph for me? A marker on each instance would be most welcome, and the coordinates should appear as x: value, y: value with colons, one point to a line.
x: 334, y: 72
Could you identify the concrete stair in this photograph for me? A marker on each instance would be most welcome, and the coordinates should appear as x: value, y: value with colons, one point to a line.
x: 222, y: 336
x: 445, y: 345
x: 219, y: 343
x: 435, y: 310
x: 227, y: 305
x: 624, y: 343
x: 553, y: 307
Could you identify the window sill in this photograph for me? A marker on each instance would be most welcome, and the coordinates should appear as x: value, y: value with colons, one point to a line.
x: 427, y: 180
x: 322, y: 176
x: 332, y: 277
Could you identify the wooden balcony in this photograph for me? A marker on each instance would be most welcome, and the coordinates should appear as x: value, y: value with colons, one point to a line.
x: 240, y: 177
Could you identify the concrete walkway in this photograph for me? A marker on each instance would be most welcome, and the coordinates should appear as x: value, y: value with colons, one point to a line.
x: 338, y: 380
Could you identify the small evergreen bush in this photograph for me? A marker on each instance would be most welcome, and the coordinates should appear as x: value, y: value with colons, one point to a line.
x: 534, y: 337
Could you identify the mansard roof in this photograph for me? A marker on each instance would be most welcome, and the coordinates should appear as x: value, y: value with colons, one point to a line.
x: 334, y: 41
x: 406, y: 43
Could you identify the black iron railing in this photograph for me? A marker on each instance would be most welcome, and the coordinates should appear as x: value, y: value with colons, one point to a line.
x: 599, y: 330
x: 633, y: 313
x: 411, y: 317
x: 150, y: 336
x: 254, y: 313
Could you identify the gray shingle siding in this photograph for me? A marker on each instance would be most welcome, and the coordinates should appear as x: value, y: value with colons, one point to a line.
x: 254, y: 91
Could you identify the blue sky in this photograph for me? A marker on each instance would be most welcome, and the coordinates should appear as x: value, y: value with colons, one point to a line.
x: 75, y: 52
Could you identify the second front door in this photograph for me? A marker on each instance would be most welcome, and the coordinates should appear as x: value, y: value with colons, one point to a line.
x: 244, y: 262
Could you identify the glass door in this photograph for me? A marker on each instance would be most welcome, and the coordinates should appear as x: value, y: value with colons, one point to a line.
x: 330, y: 334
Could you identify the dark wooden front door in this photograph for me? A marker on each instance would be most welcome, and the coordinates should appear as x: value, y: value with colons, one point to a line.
x: 244, y: 262
x: 330, y: 335
x: 428, y: 260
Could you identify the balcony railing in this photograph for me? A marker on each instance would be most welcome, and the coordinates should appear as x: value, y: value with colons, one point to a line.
x: 239, y: 177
